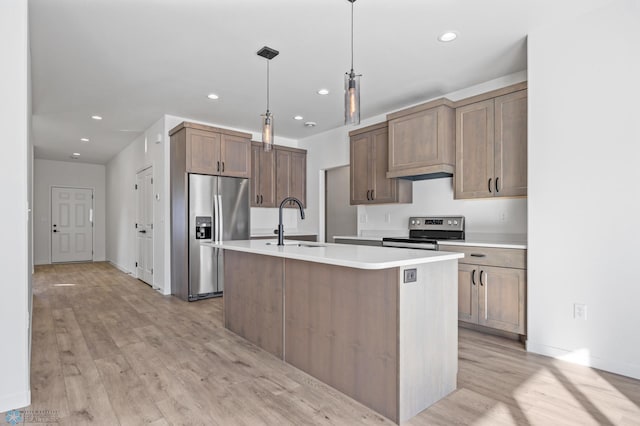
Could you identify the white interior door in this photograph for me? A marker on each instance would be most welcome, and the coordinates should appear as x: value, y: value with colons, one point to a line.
x: 71, y: 224
x: 144, y: 226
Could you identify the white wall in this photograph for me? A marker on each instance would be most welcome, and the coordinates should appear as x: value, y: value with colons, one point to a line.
x: 48, y: 173
x: 331, y: 149
x: 14, y: 175
x: 584, y: 147
x: 146, y: 150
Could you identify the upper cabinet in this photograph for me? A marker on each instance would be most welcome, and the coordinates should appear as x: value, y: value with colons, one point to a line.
x: 211, y: 150
x: 422, y: 141
x: 491, y: 144
x: 369, y: 160
x: 263, y: 180
x: 291, y: 175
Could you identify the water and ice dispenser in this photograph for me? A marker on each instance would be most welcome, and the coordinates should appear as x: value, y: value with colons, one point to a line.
x: 203, y: 227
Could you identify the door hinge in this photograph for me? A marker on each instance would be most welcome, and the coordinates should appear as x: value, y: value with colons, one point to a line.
x: 151, y: 271
x: 136, y: 264
x: 136, y: 186
x: 136, y: 226
x: 152, y: 226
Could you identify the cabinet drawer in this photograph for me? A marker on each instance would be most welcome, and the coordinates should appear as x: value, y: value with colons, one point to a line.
x: 506, y: 258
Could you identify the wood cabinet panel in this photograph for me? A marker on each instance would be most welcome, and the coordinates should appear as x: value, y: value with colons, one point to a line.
x: 235, y: 156
x: 421, y: 140
x: 502, y: 299
x: 474, y: 150
x: 491, y: 147
x: 291, y: 176
x: 369, y: 150
x: 511, y: 144
x: 203, y: 152
x: 491, y: 256
x: 253, y: 299
x: 263, y: 181
x: 467, y: 294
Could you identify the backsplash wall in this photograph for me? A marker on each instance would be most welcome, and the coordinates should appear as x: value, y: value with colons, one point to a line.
x: 435, y: 197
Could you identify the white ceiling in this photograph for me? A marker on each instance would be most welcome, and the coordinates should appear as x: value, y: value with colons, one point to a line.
x: 133, y: 61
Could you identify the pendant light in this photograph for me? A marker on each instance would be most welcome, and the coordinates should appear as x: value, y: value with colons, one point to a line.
x: 267, y: 118
x: 352, y: 87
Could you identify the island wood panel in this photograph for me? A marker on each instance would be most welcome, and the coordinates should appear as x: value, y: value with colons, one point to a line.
x: 253, y: 299
x: 428, y: 337
x: 341, y: 327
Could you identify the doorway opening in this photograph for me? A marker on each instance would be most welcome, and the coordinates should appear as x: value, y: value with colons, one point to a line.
x: 340, y: 215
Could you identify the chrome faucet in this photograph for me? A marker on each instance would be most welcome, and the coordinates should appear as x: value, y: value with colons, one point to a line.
x: 280, y: 227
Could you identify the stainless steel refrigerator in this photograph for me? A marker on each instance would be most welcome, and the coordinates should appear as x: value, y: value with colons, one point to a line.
x: 217, y: 209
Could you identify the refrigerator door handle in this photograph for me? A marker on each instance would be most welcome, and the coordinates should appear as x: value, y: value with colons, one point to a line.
x: 214, y: 236
x: 220, y: 218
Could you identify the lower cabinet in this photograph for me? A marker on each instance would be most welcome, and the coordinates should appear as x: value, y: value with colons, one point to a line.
x: 492, y: 288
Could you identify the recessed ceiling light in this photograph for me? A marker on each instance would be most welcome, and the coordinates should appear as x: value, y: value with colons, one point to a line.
x: 213, y: 96
x: 84, y: 139
x: 298, y: 117
x: 310, y: 124
x: 77, y: 154
x: 323, y: 92
x: 448, y: 36
x: 96, y: 117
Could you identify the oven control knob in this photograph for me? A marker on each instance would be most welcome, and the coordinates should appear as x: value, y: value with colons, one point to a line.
x: 455, y: 222
x: 413, y: 222
x: 449, y: 222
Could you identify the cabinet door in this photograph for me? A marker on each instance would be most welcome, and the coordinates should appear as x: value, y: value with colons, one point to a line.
x: 298, y: 176
x: 383, y: 189
x: 511, y: 144
x: 203, y: 152
x: 468, y: 293
x: 360, y: 169
x: 414, y: 140
x: 474, y: 176
x: 263, y: 177
x: 502, y: 298
x: 235, y: 153
x: 283, y: 175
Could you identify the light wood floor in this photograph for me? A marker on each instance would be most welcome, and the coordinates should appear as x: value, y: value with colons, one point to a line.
x: 109, y: 350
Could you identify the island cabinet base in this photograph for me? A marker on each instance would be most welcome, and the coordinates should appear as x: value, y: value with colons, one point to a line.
x: 388, y: 344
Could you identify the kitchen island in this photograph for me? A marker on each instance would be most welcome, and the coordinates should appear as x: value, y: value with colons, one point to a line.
x: 378, y: 324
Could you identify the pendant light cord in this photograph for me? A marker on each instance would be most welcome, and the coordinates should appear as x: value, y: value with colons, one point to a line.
x: 352, y: 35
x: 267, y: 85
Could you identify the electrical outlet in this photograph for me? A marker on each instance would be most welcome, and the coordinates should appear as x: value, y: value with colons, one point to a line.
x: 580, y: 311
x: 410, y: 275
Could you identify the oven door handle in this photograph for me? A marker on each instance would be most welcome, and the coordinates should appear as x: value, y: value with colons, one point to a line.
x: 410, y: 245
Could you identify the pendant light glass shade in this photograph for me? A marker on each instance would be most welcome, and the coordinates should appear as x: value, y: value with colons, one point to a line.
x: 352, y: 87
x: 267, y: 131
x: 351, y: 98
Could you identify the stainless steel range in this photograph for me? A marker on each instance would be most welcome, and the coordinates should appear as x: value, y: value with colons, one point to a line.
x: 426, y: 231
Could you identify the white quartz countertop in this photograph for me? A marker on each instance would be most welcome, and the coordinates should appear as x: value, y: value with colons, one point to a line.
x: 513, y: 241
x: 351, y: 256
x: 270, y: 233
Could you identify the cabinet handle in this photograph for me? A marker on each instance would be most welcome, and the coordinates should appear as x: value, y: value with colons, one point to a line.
x: 473, y: 277
x: 223, y: 167
x: 368, y: 194
x: 489, y: 185
x: 497, y: 190
x: 261, y: 199
x: 218, y: 166
x: 373, y: 194
x: 481, y: 272
x: 257, y: 199
x: 477, y: 255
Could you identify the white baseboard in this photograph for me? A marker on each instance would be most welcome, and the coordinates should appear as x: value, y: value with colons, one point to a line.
x: 121, y: 268
x: 582, y: 357
x: 15, y: 401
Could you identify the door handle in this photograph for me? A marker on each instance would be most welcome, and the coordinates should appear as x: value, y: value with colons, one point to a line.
x: 223, y: 167
x: 257, y: 199
x: 143, y: 231
x: 368, y: 191
x: 373, y: 194
x: 261, y: 199
x: 55, y: 230
x: 473, y: 277
x: 218, y: 169
x: 481, y: 272
x: 489, y: 185
x: 497, y: 190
